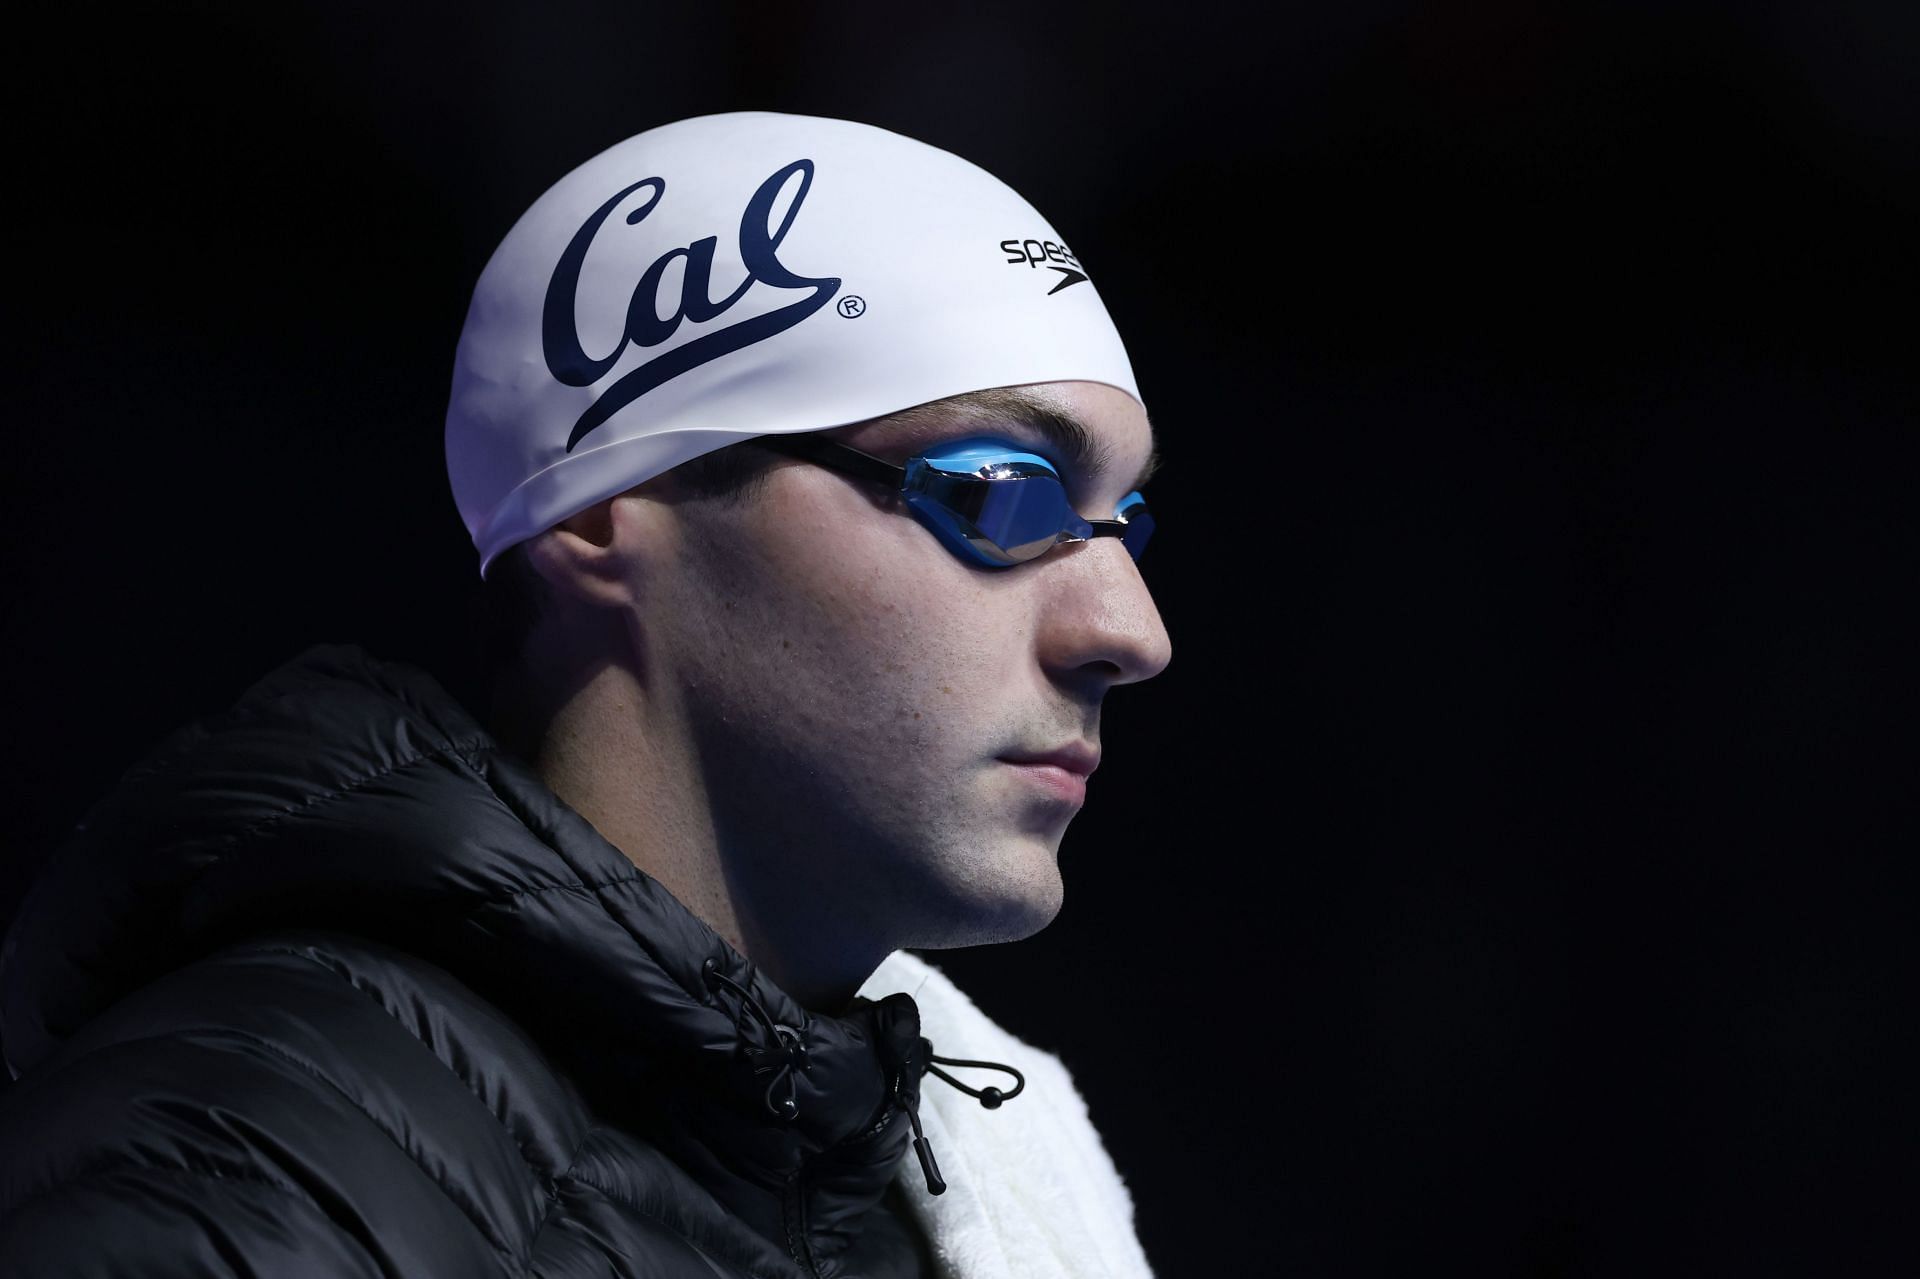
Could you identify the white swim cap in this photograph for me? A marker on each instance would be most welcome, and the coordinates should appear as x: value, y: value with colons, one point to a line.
x: 746, y: 274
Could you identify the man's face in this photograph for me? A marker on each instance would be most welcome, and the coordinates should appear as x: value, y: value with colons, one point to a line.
x: 854, y: 691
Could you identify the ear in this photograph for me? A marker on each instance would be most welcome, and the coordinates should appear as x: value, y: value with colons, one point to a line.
x: 600, y: 556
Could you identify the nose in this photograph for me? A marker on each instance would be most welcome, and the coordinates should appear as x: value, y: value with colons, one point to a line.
x: 1098, y: 622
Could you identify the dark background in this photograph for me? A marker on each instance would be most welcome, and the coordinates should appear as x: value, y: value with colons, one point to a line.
x: 1512, y: 873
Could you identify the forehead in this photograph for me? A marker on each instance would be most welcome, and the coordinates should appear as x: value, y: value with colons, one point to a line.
x: 1087, y: 427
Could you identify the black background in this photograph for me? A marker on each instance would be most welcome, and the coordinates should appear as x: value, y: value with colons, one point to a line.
x: 1512, y: 873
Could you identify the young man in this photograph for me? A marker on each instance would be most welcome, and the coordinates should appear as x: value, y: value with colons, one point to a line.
x: 807, y: 462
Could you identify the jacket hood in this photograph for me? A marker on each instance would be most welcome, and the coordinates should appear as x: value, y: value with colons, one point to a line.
x: 357, y: 795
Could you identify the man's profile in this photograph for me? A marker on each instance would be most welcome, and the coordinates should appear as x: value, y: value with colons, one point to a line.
x: 805, y: 468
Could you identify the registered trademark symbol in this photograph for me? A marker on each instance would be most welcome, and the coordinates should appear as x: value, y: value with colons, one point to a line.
x: 853, y: 306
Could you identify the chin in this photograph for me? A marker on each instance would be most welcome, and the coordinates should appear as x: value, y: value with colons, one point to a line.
x: 1008, y: 908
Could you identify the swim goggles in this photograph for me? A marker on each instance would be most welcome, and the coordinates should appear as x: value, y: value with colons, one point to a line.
x: 988, y: 501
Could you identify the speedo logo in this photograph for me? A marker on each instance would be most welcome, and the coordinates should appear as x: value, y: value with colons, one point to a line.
x: 1045, y: 253
x: 560, y: 336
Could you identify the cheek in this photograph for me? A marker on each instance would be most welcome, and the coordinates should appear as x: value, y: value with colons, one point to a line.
x: 886, y: 645
x: 873, y: 638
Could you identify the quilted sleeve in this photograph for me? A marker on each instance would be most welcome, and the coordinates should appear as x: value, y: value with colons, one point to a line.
x: 169, y: 1223
x: 258, y: 1113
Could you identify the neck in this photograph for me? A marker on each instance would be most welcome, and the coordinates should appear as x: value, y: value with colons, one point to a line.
x: 622, y: 760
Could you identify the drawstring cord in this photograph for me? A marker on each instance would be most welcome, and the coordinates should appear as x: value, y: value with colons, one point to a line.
x: 989, y: 1098
x: 783, y: 1051
x: 787, y: 1051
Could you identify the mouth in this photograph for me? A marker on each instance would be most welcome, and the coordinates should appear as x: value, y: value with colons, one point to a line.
x: 1073, y: 758
x: 1060, y: 774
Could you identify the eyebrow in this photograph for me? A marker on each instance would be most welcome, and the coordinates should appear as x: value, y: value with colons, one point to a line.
x: 1064, y: 433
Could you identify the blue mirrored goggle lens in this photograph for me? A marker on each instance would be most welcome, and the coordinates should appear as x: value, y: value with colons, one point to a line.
x: 1025, y: 517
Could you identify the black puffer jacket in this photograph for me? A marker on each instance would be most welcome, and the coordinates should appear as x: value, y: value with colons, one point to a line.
x: 332, y: 986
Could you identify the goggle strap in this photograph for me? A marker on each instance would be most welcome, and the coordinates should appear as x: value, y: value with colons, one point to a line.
x: 842, y: 457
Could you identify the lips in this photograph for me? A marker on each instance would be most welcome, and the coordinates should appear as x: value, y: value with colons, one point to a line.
x: 1075, y: 758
